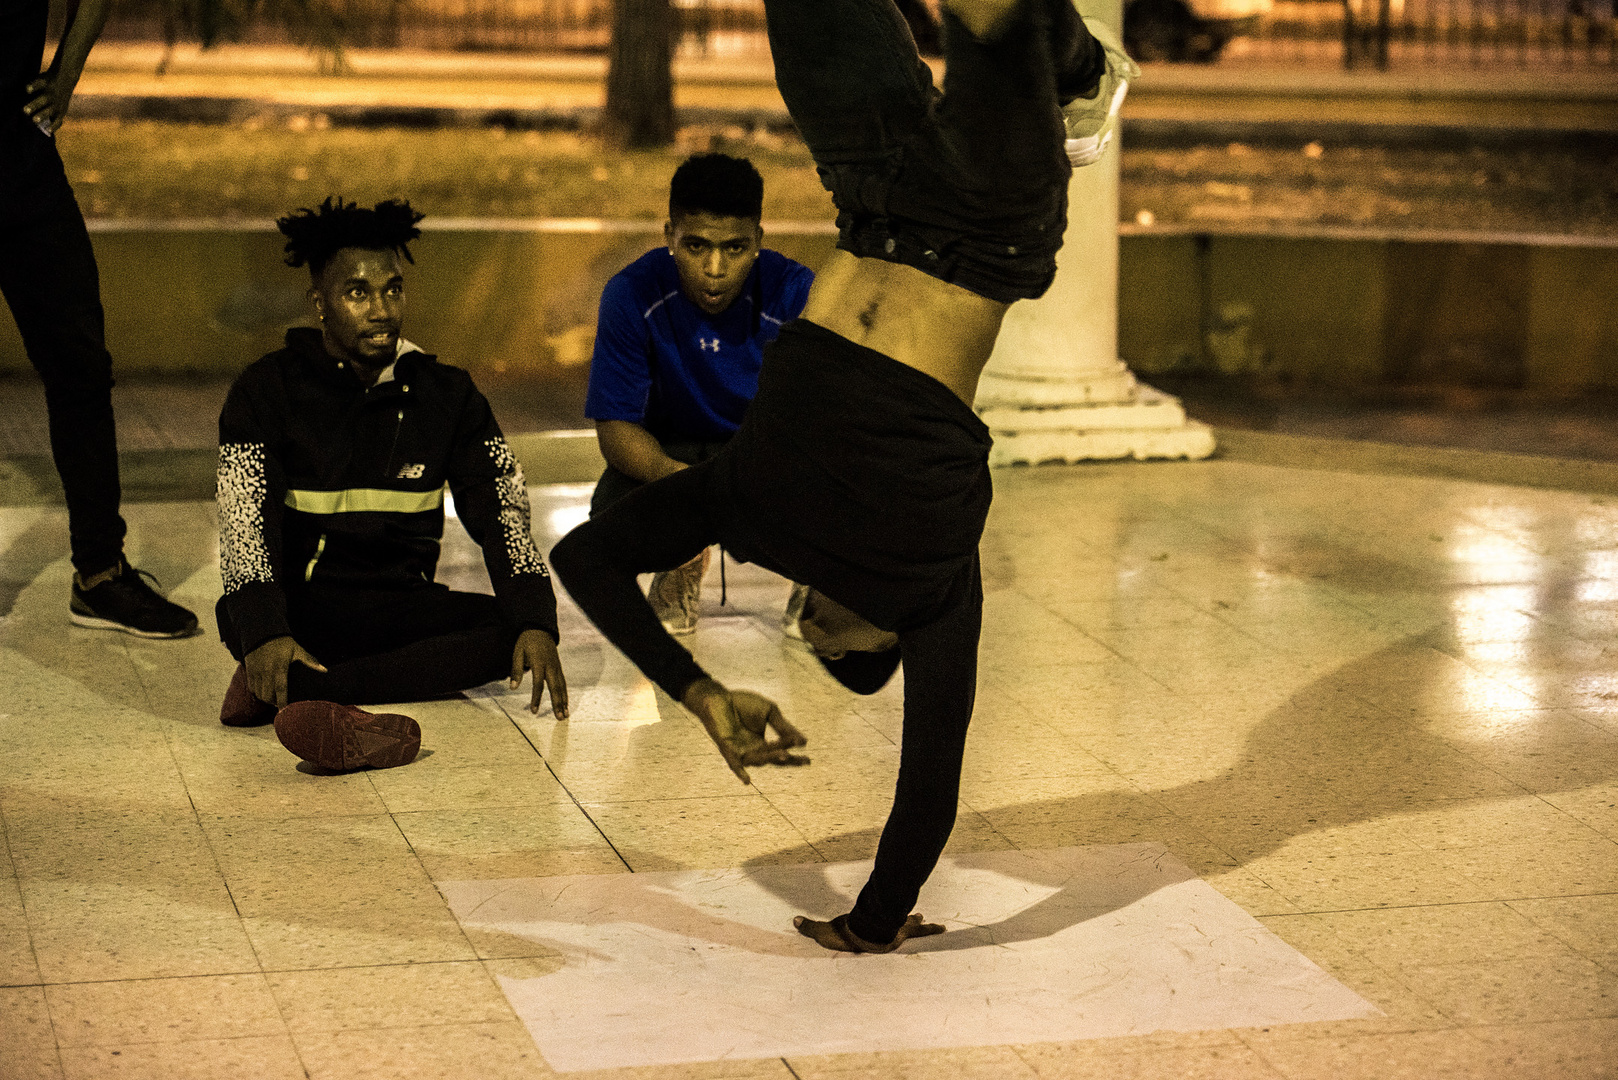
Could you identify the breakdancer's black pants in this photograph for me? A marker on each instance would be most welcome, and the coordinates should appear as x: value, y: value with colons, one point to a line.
x: 969, y: 186
x: 49, y: 279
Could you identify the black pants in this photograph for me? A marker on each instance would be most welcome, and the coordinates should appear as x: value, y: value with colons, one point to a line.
x: 390, y: 645
x: 615, y: 484
x: 969, y: 186
x: 49, y: 279
x: 660, y: 526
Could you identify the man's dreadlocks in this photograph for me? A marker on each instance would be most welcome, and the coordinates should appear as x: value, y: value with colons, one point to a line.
x: 314, y: 236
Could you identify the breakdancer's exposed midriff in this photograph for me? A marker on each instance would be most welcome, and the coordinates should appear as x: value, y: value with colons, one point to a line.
x: 937, y: 328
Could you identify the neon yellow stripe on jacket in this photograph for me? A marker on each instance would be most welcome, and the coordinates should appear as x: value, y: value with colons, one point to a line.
x: 365, y: 501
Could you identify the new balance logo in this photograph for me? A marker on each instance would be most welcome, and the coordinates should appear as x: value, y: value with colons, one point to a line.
x: 707, y: 343
x: 411, y: 472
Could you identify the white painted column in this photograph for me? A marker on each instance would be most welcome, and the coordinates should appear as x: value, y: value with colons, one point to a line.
x: 1055, y: 390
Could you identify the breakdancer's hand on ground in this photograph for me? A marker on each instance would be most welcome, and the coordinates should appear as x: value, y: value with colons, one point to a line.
x: 738, y: 721
x: 836, y: 935
x: 267, y: 668
x: 536, y: 652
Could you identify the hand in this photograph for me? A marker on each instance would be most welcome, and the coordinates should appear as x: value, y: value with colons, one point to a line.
x: 48, y: 100
x: 536, y: 652
x: 836, y: 935
x: 267, y: 668
x: 737, y: 722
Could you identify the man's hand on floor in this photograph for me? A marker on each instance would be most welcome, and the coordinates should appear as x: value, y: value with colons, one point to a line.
x: 738, y: 721
x: 536, y: 652
x: 267, y: 668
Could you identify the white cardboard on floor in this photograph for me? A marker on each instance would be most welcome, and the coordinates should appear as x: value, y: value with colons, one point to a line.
x: 1043, y: 946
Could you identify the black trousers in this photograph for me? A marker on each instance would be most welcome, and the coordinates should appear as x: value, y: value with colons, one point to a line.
x: 390, y: 645
x: 969, y: 185
x: 49, y: 279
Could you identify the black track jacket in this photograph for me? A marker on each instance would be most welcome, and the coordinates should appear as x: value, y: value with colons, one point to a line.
x: 326, y: 482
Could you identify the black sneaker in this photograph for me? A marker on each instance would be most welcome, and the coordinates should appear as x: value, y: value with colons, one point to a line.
x: 127, y: 603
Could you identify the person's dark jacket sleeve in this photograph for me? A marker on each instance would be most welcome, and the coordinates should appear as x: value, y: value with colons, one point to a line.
x: 491, y: 499
x: 252, y: 496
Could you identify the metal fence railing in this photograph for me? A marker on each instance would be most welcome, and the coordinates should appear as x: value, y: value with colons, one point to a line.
x: 1415, y: 33
x: 1382, y: 33
x: 703, y: 26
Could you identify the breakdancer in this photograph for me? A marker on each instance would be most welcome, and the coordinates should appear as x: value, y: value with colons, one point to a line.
x: 861, y: 469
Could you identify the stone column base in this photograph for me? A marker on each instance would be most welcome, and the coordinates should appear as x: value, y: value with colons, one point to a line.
x: 1146, y: 423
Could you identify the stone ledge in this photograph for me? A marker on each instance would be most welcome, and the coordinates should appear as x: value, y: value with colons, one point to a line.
x: 1192, y: 441
x: 1439, y: 462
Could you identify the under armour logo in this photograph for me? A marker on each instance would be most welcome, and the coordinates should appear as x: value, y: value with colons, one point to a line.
x: 411, y: 472
x: 704, y: 343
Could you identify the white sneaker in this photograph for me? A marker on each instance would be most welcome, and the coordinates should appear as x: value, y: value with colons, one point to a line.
x: 676, y: 595
x: 1092, y: 122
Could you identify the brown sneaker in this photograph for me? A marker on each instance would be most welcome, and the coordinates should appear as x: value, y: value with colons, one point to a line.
x: 342, y: 738
x: 676, y: 595
x: 241, y: 708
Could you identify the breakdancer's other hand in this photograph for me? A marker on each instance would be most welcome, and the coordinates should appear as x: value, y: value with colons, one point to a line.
x: 739, y: 722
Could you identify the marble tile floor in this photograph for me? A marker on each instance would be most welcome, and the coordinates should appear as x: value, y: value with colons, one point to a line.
x: 1380, y: 714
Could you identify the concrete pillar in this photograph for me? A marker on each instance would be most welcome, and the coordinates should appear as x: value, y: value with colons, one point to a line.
x: 1055, y: 390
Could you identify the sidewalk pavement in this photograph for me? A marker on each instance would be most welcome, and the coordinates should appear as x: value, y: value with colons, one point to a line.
x: 1169, y: 102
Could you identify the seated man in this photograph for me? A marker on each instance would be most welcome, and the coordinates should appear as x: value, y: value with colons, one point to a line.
x: 679, y: 341
x: 333, y: 456
x: 861, y: 468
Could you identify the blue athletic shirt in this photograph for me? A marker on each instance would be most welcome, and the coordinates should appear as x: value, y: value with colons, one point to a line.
x: 682, y: 374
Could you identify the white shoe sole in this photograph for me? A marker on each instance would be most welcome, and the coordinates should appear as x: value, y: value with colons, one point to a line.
x: 1088, y: 150
x: 90, y: 622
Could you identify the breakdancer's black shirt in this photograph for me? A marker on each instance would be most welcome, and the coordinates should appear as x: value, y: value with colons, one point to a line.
x: 869, y: 477
x: 852, y: 473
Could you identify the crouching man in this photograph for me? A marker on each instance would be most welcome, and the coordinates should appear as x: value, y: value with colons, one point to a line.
x: 333, y: 457
x: 679, y: 342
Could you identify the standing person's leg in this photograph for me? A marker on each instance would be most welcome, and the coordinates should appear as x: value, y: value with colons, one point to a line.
x: 49, y: 278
